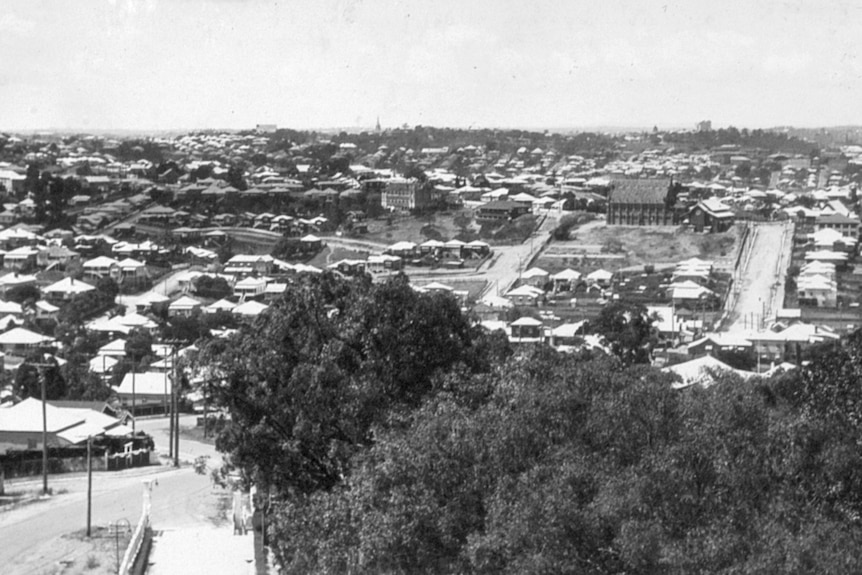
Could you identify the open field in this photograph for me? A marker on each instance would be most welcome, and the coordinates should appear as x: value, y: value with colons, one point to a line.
x: 332, y: 254
x: 448, y: 225
x: 410, y: 229
x: 616, y: 247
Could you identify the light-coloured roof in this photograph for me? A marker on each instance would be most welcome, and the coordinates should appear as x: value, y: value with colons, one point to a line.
x: 95, y: 423
x: 26, y: 416
x: 567, y: 329
x: 185, y: 302
x: 147, y: 383
x: 152, y: 297
x: 402, y: 246
x: 116, y: 347
x: 131, y: 263
x: 567, y: 274
x: 100, y: 262
x: 599, y: 275
x: 222, y: 304
x: 137, y: 320
x: 534, y: 273
x: 10, y: 307
x: 250, y: 282
x: 47, y: 307
x: 68, y: 286
x: 525, y: 290
x: 826, y: 256
x: 703, y: 371
x: 103, y: 364
x: 526, y: 321
x: 22, y: 336
x: 250, y: 308
x: 113, y: 324
x: 13, y: 279
x: 436, y: 286
x: 496, y: 301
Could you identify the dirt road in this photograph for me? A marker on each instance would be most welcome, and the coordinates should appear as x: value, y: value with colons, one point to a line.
x: 759, y: 291
x: 35, y: 537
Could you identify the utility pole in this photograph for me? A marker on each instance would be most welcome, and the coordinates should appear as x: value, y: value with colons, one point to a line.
x: 89, y: 482
x: 169, y: 411
x: 134, y: 398
x: 206, y: 408
x: 44, y: 433
x: 40, y: 369
x: 176, y: 409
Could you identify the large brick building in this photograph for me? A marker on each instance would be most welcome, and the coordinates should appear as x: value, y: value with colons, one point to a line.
x: 501, y: 211
x: 640, y: 202
x: 402, y: 194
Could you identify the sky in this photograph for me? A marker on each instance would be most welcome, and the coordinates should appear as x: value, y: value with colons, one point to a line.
x: 318, y: 64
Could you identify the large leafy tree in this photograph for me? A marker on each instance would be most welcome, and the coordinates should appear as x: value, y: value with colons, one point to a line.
x: 28, y: 381
x: 307, y: 383
x: 627, y: 328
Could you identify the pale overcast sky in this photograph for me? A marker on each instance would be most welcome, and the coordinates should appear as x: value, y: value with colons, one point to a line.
x: 190, y: 64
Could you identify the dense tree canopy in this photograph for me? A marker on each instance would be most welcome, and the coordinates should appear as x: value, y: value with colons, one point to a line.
x: 307, y: 384
x: 394, y: 437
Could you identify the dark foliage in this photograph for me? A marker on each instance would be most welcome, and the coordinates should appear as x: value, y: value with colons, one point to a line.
x: 395, y: 438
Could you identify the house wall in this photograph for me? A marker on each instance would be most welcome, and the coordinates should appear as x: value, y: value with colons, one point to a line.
x: 27, y: 440
x: 523, y: 300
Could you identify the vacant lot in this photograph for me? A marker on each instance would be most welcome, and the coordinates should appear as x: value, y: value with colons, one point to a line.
x: 614, y: 247
x: 445, y: 226
x: 330, y: 255
x: 420, y: 229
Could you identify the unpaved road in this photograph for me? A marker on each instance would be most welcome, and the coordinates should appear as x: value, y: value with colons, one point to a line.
x: 34, y: 537
x: 760, y: 285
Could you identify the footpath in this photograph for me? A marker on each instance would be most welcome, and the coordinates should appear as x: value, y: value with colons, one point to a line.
x: 201, y: 550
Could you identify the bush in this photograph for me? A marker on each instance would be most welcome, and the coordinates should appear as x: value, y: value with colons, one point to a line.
x: 212, y: 287
x: 515, y: 231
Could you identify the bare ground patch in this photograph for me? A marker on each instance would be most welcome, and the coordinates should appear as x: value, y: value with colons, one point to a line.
x: 613, y: 247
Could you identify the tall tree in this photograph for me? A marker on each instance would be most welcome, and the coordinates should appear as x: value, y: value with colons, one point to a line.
x: 627, y: 328
x: 309, y: 381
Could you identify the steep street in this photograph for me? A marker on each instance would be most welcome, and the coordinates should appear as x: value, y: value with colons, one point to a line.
x: 759, y: 291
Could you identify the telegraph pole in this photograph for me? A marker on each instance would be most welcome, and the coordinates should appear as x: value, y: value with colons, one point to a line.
x: 89, y: 482
x: 206, y: 410
x: 169, y: 401
x: 134, y: 398
x: 176, y: 409
x: 40, y: 369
